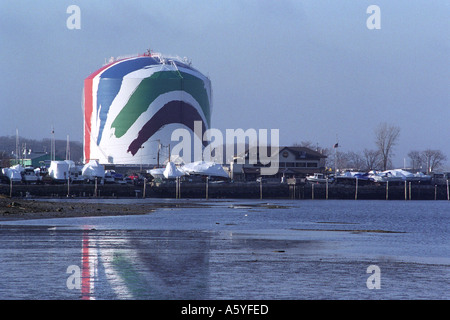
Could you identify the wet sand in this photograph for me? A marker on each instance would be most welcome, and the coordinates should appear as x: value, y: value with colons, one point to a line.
x: 19, y: 209
x: 22, y: 208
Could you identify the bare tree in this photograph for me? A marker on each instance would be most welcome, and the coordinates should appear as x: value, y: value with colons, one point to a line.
x: 372, y: 159
x: 342, y: 160
x: 386, y: 137
x: 326, y: 152
x: 416, y: 159
x: 4, y: 159
x: 305, y: 144
x: 347, y: 160
x: 434, y: 159
x: 355, y: 160
x: 428, y: 160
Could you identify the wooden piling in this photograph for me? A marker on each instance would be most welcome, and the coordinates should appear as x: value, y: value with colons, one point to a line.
x: 448, y: 194
x: 406, y: 191
x: 410, y: 191
x: 387, y: 190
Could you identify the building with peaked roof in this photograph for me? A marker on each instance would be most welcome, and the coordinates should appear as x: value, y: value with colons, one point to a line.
x: 293, y: 162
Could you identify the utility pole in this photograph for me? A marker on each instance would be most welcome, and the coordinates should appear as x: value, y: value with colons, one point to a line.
x: 142, y: 147
x: 17, y: 146
x: 67, y: 149
x: 159, y: 149
x: 336, y: 145
x: 52, y: 155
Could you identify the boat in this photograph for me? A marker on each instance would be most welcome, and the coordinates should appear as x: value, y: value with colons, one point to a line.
x: 75, y: 172
x: 400, y: 175
x: 387, y: 176
x: 29, y: 176
x: 93, y: 170
x: 205, y: 168
x: 76, y: 175
x: 42, y: 174
x: 351, y: 177
x: 419, y: 177
x: 13, y: 175
x: 172, y: 172
x: 109, y: 176
x: 318, y: 178
x: 118, y: 177
x: 157, y: 174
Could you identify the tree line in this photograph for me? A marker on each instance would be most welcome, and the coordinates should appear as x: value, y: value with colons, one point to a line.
x: 8, y: 148
x: 380, y: 158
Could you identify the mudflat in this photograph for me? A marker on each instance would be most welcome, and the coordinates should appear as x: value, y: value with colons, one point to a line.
x: 23, y: 208
x: 17, y: 209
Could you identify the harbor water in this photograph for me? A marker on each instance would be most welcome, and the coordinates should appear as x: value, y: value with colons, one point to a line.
x: 233, y: 249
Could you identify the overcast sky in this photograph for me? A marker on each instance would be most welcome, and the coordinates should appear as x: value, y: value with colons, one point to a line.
x: 311, y: 69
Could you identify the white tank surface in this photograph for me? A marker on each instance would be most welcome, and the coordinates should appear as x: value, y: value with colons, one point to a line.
x: 132, y: 105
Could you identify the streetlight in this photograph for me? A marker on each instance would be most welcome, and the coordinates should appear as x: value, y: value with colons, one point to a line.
x: 141, y: 147
x: 159, y: 148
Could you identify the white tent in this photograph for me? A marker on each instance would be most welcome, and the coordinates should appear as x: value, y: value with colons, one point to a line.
x: 205, y: 168
x: 58, y: 170
x: 157, y: 173
x: 71, y: 163
x: 408, y: 176
x: 18, y: 168
x: 400, y: 173
x: 172, y: 172
x: 93, y: 169
x: 12, y: 174
x: 352, y: 174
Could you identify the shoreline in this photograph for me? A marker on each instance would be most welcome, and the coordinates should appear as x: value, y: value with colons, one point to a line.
x: 46, y: 208
x: 23, y: 209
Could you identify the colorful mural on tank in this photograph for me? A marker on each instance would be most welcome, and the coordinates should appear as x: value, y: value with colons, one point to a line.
x: 132, y: 105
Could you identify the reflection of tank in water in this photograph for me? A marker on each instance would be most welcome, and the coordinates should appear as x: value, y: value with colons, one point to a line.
x: 145, y: 264
x: 132, y: 106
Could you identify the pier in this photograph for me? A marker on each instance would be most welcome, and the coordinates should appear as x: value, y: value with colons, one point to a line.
x: 231, y: 190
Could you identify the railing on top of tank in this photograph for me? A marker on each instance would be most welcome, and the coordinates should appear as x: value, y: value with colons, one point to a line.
x: 158, y: 56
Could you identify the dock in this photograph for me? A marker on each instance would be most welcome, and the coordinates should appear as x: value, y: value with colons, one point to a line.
x: 230, y: 190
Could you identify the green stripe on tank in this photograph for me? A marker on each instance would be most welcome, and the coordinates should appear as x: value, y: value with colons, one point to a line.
x: 152, y: 87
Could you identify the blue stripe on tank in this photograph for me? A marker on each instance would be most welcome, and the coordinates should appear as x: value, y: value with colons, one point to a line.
x: 110, y: 83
